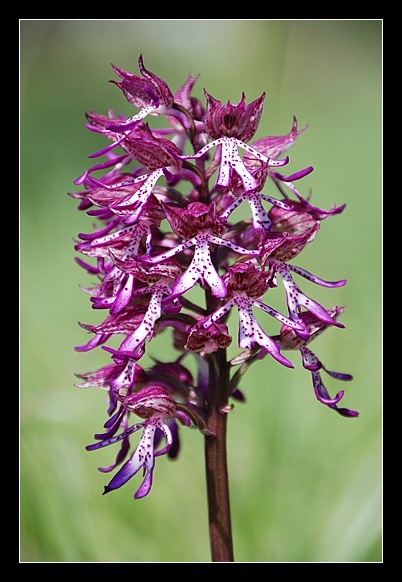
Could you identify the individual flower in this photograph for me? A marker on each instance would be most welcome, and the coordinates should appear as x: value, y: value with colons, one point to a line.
x: 155, y: 405
x: 230, y: 127
x: 148, y: 92
x: 159, y: 277
x: 157, y: 154
x: 271, y: 147
x: 137, y: 320
x: 153, y: 97
x: 246, y: 285
x: 206, y: 341
x: 200, y: 226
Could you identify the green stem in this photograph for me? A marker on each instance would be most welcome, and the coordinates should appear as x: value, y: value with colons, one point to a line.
x: 220, y: 528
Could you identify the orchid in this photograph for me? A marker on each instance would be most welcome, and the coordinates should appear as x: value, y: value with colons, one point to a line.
x: 164, y: 232
x: 246, y: 285
x: 155, y: 405
x: 231, y: 127
x: 199, y: 225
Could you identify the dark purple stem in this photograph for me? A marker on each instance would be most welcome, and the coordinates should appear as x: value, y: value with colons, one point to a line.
x: 220, y: 527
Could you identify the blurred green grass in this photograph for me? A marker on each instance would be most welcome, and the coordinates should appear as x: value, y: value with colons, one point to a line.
x: 306, y: 484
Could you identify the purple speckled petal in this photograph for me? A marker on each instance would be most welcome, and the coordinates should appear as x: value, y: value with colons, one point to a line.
x: 125, y: 380
x: 251, y: 333
x: 230, y: 160
x: 146, y: 327
x: 123, y: 296
x: 200, y: 268
x: 309, y: 359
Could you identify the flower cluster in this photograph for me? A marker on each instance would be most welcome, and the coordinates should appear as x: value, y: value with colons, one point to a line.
x: 163, y: 200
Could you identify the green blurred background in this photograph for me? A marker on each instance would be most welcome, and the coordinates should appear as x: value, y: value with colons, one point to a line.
x: 306, y: 484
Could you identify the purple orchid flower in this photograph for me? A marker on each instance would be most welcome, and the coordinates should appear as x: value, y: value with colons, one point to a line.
x: 246, y: 285
x: 155, y: 405
x: 230, y: 127
x: 146, y: 277
x: 200, y: 226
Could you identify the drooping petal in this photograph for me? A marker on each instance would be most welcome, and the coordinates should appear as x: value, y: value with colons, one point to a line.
x: 322, y: 395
